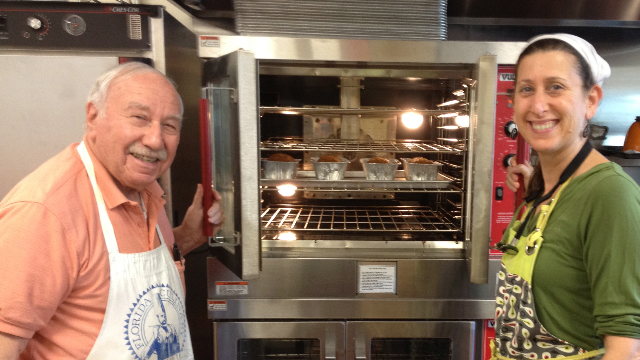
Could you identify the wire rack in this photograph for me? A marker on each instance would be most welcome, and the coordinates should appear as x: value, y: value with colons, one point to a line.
x: 361, y: 219
x: 394, y: 146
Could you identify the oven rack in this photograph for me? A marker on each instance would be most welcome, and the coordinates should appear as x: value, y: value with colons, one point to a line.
x: 389, y: 146
x: 330, y: 111
x: 443, y: 185
x: 285, y: 217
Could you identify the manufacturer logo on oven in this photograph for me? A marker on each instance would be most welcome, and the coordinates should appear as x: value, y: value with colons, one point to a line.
x: 507, y: 76
x: 157, y: 325
x: 125, y: 9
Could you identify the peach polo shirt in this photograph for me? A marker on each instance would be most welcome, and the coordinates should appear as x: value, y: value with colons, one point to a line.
x: 55, y: 266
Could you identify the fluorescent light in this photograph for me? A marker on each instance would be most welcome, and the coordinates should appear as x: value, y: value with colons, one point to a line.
x: 448, y: 115
x: 451, y: 102
x: 412, y: 120
x: 288, y: 112
x: 286, y: 190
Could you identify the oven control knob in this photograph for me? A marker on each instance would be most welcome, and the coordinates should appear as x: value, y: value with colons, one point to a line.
x: 507, y: 160
x: 34, y: 23
x: 511, y: 130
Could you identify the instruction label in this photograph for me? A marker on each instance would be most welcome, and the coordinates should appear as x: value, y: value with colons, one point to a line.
x: 378, y: 278
x: 217, y: 305
x: 232, y: 288
x: 209, y: 41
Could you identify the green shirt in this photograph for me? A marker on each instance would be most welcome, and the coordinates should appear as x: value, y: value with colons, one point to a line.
x: 586, y: 280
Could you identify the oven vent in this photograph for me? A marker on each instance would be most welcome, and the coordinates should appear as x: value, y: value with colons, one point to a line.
x: 350, y: 19
x: 134, y: 27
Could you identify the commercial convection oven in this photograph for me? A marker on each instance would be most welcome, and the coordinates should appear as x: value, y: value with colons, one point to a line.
x: 353, y: 266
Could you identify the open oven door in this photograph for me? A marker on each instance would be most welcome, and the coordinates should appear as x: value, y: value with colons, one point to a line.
x: 230, y: 154
x: 481, y: 140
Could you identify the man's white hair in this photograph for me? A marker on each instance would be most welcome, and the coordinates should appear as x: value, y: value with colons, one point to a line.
x: 98, y: 93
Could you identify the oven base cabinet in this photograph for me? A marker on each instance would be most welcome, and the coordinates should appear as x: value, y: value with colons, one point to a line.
x: 353, y: 340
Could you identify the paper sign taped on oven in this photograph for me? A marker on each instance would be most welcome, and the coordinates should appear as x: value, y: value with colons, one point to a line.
x: 210, y: 41
x: 217, y: 305
x: 378, y: 278
x: 232, y: 288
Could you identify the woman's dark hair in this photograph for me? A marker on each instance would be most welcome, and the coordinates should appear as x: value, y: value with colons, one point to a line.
x: 536, y: 182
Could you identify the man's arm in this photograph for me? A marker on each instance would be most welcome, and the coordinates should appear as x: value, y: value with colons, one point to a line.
x: 11, y: 346
x: 621, y: 348
x: 190, y: 234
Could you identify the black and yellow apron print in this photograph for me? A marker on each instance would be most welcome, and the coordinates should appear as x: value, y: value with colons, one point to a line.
x: 519, y: 334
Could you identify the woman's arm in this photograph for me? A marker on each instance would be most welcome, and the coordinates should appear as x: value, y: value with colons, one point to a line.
x: 621, y: 348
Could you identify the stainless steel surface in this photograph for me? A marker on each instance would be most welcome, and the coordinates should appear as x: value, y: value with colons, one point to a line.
x: 393, y: 218
x: 398, y: 184
x: 42, y: 108
x: 324, y: 288
x: 402, y: 19
x: 238, y: 166
x: 347, y: 111
x: 405, y: 146
x: 331, y: 335
x: 372, y: 51
x: 361, y: 333
x: 481, y: 152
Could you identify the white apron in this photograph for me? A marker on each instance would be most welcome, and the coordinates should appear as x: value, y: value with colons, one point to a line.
x: 145, y: 316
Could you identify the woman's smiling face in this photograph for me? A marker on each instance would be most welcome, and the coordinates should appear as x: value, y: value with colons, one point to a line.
x: 551, y: 107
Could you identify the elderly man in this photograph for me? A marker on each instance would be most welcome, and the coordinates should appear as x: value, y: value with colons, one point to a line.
x: 89, y: 257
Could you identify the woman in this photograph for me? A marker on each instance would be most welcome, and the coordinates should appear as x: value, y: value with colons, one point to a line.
x: 569, y: 285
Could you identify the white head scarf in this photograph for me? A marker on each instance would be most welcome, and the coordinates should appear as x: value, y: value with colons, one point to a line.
x: 600, y: 69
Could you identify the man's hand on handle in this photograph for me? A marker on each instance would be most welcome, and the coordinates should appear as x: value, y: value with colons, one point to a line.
x: 189, y: 235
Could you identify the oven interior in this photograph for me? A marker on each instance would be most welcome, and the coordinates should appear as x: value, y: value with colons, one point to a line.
x: 358, y: 113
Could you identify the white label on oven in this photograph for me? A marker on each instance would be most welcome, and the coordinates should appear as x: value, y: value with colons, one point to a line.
x: 507, y: 76
x: 217, y: 305
x: 378, y: 278
x: 210, y: 41
x: 232, y: 288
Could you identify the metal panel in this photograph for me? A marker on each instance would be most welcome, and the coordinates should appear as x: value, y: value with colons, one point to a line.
x: 371, y: 19
x: 331, y: 335
x: 481, y: 155
x: 360, y: 334
x: 238, y: 167
x: 42, y: 108
x: 373, y: 51
x: 327, y: 288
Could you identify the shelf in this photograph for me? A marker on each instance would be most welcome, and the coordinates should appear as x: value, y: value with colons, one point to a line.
x: 360, y: 219
x: 319, y: 111
x: 390, y: 146
x: 306, y: 181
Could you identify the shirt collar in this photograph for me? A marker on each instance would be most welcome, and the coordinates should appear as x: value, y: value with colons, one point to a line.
x: 112, y: 195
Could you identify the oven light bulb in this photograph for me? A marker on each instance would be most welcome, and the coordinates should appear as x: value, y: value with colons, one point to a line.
x: 287, y: 236
x: 412, y: 120
x: 286, y: 190
x: 462, y: 121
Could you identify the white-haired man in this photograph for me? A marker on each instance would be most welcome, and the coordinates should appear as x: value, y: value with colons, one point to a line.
x: 88, y: 249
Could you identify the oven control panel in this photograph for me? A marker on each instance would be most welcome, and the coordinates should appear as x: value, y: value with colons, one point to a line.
x: 64, y: 26
x: 506, y: 133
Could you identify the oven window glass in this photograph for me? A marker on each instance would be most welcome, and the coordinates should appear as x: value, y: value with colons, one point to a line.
x: 281, y: 349
x: 410, y: 349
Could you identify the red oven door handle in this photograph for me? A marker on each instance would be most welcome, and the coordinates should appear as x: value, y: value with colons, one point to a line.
x: 205, y: 162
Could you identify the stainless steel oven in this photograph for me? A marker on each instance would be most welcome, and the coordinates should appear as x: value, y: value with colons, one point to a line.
x: 399, y: 266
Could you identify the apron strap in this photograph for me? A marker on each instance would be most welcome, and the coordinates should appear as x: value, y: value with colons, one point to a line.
x: 107, y: 227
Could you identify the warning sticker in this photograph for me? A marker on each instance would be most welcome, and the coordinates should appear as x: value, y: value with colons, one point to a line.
x: 217, y: 305
x: 377, y: 279
x: 232, y: 288
x: 209, y: 41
